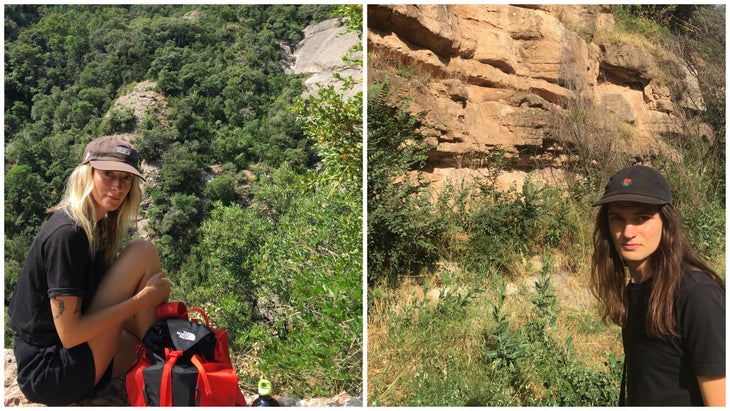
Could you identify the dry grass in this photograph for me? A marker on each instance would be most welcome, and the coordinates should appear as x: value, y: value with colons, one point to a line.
x: 401, y: 347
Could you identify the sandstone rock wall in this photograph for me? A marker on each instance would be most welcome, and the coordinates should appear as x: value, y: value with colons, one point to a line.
x: 483, y: 76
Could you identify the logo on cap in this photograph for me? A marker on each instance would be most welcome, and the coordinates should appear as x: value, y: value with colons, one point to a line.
x: 124, y: 150
x: 626, y: 182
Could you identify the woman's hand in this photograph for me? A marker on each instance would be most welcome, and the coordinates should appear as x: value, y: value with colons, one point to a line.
x: 157, y: 289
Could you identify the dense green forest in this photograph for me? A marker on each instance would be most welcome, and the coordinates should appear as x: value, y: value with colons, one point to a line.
x: 477, y: 299
x: 255, y: 201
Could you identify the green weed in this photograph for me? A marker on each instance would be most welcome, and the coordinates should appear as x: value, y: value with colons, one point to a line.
x: 456, y: 357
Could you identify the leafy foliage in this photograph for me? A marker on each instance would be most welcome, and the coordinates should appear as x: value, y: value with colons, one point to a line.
x: 670, y: 16
x: 448, y: 358
x: 503, y: 349
x: 401, y: 232
x: 339, y: 147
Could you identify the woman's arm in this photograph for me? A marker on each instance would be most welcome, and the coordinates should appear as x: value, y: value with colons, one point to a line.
x: 74, y: 328
x: 713, y: 390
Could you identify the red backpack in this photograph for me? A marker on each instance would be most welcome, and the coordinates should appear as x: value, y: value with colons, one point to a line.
x: 182, y: 362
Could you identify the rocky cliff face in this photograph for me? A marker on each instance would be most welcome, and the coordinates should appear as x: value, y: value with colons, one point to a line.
x: 319, y: 55
x: 544, y: 82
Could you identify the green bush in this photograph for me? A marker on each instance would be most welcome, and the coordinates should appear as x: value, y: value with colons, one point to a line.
x: 229, y: 241
x: 339, y: 147
x: 180, y: 172
x: 402, y: 232
x: 307, y: 274
x: 502, y: 227
x: 706, y: 231
x: 280, y: 276
x: 437, y: 357
x: 119, y: 121
x: 221, y: 188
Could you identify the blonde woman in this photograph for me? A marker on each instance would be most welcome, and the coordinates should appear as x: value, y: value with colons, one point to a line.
x: 671, y: 306
x: 79, y: 307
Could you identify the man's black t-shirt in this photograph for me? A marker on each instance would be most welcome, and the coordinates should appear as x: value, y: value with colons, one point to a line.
x: 59, y: 263
x: 665, y: 371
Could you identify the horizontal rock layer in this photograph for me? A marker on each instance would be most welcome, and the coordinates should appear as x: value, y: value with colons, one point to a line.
x: 486, y: 76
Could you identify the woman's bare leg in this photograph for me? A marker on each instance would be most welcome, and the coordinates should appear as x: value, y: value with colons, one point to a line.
x: 125, y: 278
x: 126, y: 354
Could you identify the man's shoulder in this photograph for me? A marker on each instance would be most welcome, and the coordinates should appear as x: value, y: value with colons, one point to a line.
x: 694, y: 278
x: 698, y: 285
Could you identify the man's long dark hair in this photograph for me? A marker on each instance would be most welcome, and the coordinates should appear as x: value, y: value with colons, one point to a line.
x: 670, y: 261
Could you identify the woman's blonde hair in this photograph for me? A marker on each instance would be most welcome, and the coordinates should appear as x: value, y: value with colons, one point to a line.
x: 106, y: 235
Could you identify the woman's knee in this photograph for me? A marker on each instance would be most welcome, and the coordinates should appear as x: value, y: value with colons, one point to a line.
x: 137, y: 262
x: 143, y: 250
x: 143, y: 246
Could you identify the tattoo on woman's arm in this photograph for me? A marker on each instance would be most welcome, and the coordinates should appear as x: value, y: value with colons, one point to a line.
x: 61, y: 308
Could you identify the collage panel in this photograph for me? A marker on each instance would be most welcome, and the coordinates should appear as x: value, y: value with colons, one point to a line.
x: 546, y: 205
x: 183, y: 204
x: 364, y: 205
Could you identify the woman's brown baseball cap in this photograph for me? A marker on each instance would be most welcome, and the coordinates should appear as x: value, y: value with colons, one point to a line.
x: 637, y: 184
x: 113, y: 154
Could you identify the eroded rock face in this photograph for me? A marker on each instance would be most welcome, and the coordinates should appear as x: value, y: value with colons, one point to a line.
x: 320, y: 53
x: 483, y: 76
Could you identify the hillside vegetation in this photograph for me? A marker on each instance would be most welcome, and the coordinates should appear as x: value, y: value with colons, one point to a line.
x: 254, y: 198
x: 478, y: 294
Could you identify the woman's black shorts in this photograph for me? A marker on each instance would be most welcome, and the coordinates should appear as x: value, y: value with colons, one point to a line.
x: 56, y: 375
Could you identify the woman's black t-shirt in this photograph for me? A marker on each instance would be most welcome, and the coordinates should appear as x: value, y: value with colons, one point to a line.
x: 665, y: 371
x: 59, y: 263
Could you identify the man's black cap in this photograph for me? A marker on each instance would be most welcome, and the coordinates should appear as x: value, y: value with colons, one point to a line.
x: 637, y: 184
